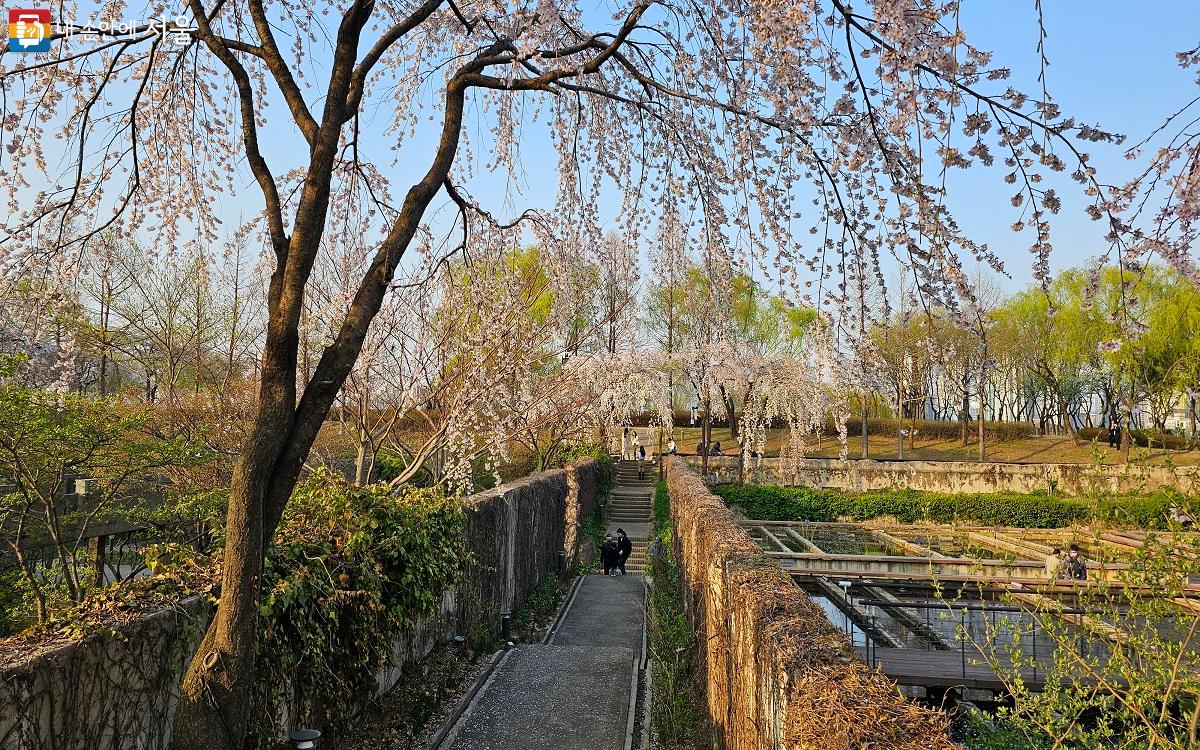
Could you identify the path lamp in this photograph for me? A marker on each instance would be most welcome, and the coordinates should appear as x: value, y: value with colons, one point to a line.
x: 506, y: 626
x: 304, y: 739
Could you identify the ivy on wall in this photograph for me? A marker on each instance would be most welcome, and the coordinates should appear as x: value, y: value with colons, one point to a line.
x: 352, y: 568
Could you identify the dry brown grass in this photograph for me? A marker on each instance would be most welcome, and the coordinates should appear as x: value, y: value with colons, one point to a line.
x: 1048, y: 449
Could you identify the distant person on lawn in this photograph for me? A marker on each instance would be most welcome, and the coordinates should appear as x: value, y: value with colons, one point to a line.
x: 608, y: 555
x: 671, y: 449
x: 1114, y: 435
x: 624, y: 549
x: 700, y: 448
x: 716, y: 449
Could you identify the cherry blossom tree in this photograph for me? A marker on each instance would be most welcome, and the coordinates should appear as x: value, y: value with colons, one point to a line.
x: 748, y: 111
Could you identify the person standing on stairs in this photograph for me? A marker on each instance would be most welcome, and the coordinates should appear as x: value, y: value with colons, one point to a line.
x: 624, y: 546
x: 608, y: 555
x: 641, y: 459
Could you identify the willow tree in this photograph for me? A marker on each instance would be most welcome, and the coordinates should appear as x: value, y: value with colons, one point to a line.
x: 760, y: 122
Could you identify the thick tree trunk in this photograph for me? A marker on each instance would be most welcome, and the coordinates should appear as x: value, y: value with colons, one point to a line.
x: 730, y: 412
x: 213, y: 710
x: 866, y: 443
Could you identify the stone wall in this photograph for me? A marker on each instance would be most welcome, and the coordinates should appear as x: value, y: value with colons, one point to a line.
x: 957, y: 476
x: 778, y: 675
x: 117, y: 692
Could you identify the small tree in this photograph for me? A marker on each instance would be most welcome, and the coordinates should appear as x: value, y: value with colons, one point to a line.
x: 46, y: 440
x: 1124, y: 667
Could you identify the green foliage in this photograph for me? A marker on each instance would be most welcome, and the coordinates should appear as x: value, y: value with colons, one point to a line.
x: 775, y: 503
x: 46, y: 440
x: 351, y: 569
x: 1001, y: 734
x: 677, y: 709
x: 662, y: 508
x: 17, y: 611
x: 605, y: 466
x: 594, y: 528
x: 1134, y: 687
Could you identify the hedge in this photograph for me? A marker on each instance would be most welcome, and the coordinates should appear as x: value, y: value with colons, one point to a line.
x: 775, y: 503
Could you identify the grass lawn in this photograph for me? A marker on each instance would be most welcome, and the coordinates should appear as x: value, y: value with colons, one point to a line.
x: 1048, y: 449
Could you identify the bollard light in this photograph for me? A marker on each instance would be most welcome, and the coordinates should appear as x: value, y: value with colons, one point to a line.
x: 506, y: 626
x: 562, y: 562
x: 304, y: 739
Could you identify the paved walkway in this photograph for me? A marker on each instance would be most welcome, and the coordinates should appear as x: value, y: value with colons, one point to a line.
x: 576, y: 692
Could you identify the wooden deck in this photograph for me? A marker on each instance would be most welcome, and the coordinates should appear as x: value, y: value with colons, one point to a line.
x: 943, y: 669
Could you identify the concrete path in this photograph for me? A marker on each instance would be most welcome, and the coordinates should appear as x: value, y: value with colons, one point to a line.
x: 576, y: 692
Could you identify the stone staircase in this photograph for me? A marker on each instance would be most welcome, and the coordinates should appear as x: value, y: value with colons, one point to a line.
x: 631, y: 507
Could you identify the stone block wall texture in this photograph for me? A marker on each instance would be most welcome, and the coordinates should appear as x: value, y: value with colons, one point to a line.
x: 778, y: 674
x: 118, y: 692
x: 858, y: 475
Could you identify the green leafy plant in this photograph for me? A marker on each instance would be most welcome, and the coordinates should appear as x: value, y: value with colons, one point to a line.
x: 677, y: 709
x: 1125, y: 676
x: 352, y: 568
x: 49, y: 439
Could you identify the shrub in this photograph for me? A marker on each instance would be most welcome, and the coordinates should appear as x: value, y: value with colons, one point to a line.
x: 588, y: 452
x: 775, y: 503
x: 351, y: 568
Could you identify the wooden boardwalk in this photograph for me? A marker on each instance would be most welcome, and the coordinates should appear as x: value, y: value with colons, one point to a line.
x: 943, y: 669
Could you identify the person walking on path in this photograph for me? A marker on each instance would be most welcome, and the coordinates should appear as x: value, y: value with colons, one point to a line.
x: 1054, y: 564
x: 641, y: 459
x: 608, y: 555
x: 624, y: 549
x: 625, y: 444
x: 1074, y: 566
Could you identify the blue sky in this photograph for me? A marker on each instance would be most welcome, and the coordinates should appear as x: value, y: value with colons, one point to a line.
x: 1112, y: 62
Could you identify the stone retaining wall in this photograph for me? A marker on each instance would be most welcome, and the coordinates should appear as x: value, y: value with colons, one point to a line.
x: 859, y: 475
x: 778, y: 675
x: 117, y: 692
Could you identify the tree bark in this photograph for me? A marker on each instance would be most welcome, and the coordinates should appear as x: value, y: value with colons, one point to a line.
x: 866, y: 442
x: 214, y: 704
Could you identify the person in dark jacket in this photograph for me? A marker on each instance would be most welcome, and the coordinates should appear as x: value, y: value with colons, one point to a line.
x: 608, y: 555
x: 624, y: 549
x: 1073, y: 565
x: 1114, y: 435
